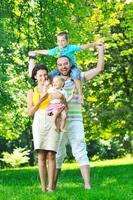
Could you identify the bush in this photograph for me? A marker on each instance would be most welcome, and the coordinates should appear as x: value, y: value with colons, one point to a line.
x: 109, y: 149
x: 17, y: 158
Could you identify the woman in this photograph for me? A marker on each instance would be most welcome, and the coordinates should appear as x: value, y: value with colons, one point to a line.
x: 45, y: 139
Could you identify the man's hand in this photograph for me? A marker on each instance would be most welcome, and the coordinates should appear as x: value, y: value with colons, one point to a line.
x: 81, y: 99
x: 98, y: 44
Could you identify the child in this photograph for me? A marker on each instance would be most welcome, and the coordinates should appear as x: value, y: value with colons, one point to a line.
x: 64, y: 48
x: 58, y: 102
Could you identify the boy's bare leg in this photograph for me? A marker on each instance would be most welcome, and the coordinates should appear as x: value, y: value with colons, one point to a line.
x: 63, y: 121
x: 79, y: 88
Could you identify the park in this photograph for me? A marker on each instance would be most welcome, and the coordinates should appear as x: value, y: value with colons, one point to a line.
x: 29, y: 25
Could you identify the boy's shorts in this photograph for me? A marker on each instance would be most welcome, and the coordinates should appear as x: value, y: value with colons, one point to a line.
x: 74, y: 74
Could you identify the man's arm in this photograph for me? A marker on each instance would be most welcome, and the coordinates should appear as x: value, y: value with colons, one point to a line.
x: 31, y: 62
x: 100, y: 64
x: 88, y: 45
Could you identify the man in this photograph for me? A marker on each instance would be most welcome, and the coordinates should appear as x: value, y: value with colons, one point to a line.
x: 74, y: 125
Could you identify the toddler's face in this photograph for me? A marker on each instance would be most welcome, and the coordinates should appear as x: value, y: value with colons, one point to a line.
x: 61, y: 41
x: 58, y: 84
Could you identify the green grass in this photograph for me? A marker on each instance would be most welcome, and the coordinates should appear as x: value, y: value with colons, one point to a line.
x: 111, y: 180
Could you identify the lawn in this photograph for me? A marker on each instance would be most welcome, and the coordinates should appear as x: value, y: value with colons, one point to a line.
x: 111, y: 180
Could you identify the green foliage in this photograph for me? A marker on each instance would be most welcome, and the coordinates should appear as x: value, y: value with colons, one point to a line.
x: 29, y: 25
x: 17, y: 158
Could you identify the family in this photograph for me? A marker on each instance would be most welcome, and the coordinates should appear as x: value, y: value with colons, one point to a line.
x: 56, y: 103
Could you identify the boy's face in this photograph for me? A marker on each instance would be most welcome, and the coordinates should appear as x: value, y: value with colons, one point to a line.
x: 61, y: 41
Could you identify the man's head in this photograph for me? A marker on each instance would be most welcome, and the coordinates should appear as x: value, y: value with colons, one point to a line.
x: 64, y: 65
x: 62, y: 39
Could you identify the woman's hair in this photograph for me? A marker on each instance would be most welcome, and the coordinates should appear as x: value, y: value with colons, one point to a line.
x: 36, y: 69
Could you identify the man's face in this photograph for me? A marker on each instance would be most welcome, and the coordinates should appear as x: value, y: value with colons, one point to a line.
x: 64, y: 66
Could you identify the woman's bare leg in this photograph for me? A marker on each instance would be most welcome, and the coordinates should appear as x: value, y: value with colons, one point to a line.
x: 51, y: 170
x: 42, y: 155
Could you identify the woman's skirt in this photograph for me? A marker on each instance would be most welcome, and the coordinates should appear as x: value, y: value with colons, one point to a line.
x: 44, y: 137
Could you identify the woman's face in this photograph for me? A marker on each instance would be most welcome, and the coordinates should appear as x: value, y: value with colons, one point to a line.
x: 41, y: 76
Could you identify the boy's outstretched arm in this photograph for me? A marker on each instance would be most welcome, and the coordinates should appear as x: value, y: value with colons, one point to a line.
x: 43, y: 52
x: 100, y: 63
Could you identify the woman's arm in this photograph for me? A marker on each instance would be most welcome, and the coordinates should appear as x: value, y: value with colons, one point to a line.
x: 32, y: 109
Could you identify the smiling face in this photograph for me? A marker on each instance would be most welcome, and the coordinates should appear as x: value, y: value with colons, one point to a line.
x: 41, y: 76
x: 62, y: 41
x: 64, y: 66
x: 58, y: 82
